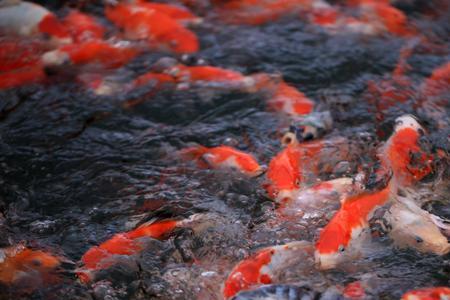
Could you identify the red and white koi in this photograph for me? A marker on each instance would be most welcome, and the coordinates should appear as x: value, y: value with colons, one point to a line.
x: 132, y: 242
x: 291, y: 101
x: 403, y: 154
x: 338, y: 240
x: 23, y: 18
x: 430, y: 293
x: 91, y: 52
x: 157, y: 28
x: 264, y: 266
x: 224, y: 157
x: 83, y: 27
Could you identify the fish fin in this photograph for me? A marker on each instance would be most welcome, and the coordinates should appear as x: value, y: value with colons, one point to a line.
x: 441, y: 223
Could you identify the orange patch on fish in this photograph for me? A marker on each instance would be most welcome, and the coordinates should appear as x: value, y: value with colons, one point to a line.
x: 206, y: 74
x: 157, y: 28
x: 290, y: 100
x: 22, y: 76
x: 431, y: 293
x: 223, y: 157
x: 83, y: 27
x: 248, y: 273
x: 351, y: 218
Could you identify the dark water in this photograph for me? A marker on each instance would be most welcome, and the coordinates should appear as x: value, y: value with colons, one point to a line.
x: 76, y: 168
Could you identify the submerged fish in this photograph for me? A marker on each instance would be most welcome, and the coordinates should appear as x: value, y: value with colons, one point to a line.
x: 431, y: 293
x: 279, y: 292
x: 24, y: 266
x: 83, y: 27
x: 338, y: 241
x: 264, y: 266
x: 223, y: 157
x: 291, y: 101
x: 133, y: 242
x: 159, y: 29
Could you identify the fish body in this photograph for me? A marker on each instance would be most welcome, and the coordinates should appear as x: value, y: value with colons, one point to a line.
x: 129, y: 243
x: 23, y: 76
x: 289, y: 100
x: 346, y: 226
x: 23, y: 18
x: 438, y: 82
x: 178, y: 13
x: 264, y: 266
x: 224, y: 157
x: 82, y: 27
x: 20, y: 263
x: 403, y: 153
x: 95, y: 52
x: 431, y: 293
x: 159, y: 29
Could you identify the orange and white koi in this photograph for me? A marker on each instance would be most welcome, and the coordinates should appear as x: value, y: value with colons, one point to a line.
x: 179, y: 13
x: 93, y: 52
x: 159, y: 29
x: 430, y: 293
x: 300, y: 163
x: 25, y: 19
x: 132, y: 242
x: 403, y: 153
x: 339, y: 237
x: 19, y: 263
x: 264, y: 266
x: 224, y: 157
x: 82, y: 27
x: 289, y: 100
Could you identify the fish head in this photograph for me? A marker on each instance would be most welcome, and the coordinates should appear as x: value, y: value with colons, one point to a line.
x: 417, y: 231
x: 37, y: 259
x: 405, y: 122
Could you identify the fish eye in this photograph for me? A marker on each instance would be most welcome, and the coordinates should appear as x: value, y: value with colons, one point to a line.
x: 398, y: 122
x: 341, y: 248
x: 418, y: 239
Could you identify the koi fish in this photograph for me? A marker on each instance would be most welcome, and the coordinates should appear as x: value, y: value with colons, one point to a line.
x: 207, y: 76
x: 178, y: 13
x: 383, y: 17
x: 132, y: 242
x: 223, y: 157
x: 82, y: 27
x: 301, y: 163
x: 21, y: 63
x: 308, y: 127
x: 19, y: 263
x: 404, y: 155
x: 264, y: 266
x: 25, y: 19
x: 91, y: 52
x: 289, y: 100
x: 321, y: 195
x: 157, y: 28
x: 337, y: 238
x: 431, y: 293
x: 411, y: 226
